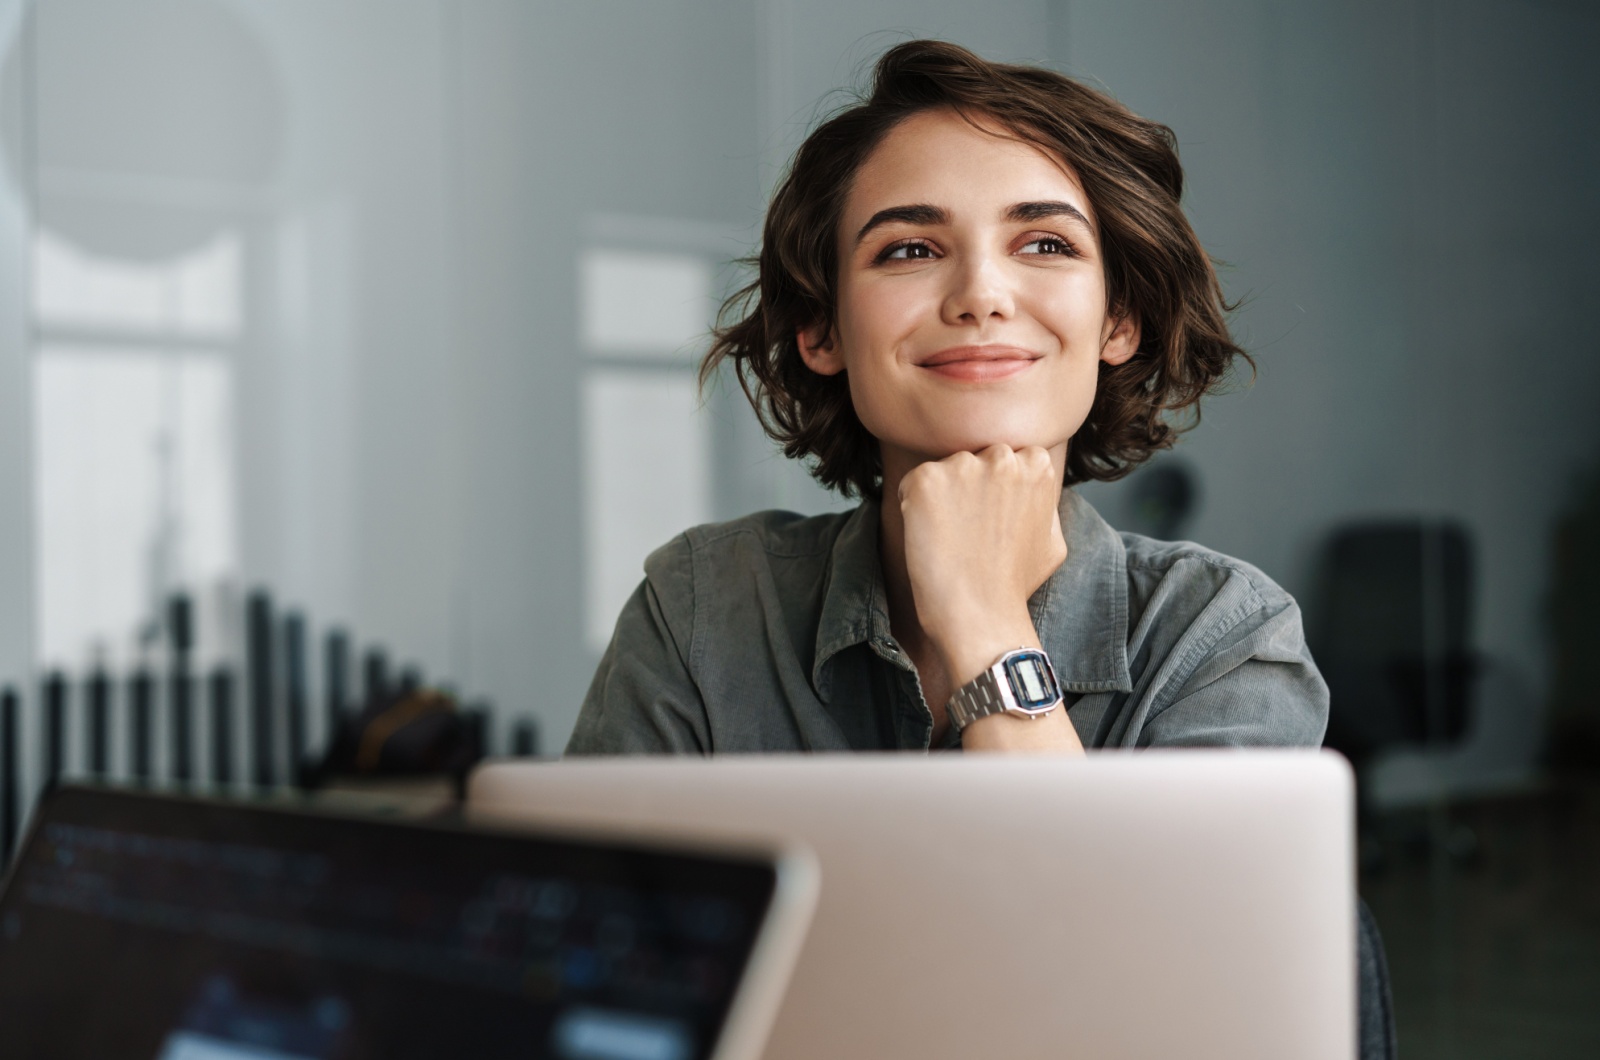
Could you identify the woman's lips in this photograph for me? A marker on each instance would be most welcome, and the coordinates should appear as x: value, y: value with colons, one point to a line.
x: 979, y: 364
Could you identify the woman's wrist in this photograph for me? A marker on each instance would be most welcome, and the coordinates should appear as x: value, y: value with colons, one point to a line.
x: 971, y: 646
x: 1051, y: 733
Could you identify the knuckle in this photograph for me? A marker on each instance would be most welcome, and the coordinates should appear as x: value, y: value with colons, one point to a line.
x: 961, y: 466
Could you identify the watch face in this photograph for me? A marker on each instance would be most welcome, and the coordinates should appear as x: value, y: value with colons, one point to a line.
x: 1032, y: 683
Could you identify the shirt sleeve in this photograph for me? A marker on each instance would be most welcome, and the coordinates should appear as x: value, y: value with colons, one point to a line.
x: 1255, y: 685
x: 643, y: 699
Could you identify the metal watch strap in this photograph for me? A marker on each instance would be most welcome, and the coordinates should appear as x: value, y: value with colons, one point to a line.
x: 978, y: 698
x: 984, y: 695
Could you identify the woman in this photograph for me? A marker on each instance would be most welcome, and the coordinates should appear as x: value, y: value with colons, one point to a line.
x: 976, y: 288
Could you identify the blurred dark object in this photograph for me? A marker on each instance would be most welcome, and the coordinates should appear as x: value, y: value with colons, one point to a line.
x: 1161, y: 499
x: 1393, y: 637
x: 296, y: 699
x: 220, y: 686
x: 375, y: 676
x: 180, y: 624
x: 1393, y: 641
x: 10, y: 774
x: 417, y: 733
x: 525, y: 738
x: 1574, y: 740
x: 55, y: 727
x: 479, y: 730
x: 336, y: 682
x: 141, y: 697
x: 407, y: 743
x: 1374, y: 996
x: 261, y: 687
x: 98, y: 693
x: 180, y: 687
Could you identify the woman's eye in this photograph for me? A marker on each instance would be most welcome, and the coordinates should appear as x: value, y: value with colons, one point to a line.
x: 1047, y: 245
x: 907, y: 252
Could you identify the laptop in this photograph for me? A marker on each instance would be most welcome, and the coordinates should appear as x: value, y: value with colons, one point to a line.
x: 165, y: 928
x: 1149, y: 904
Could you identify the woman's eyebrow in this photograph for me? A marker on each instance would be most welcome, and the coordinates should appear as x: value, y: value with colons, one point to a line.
x: 1025, y: 212
x: 916, y: 214
x: 925, y: 214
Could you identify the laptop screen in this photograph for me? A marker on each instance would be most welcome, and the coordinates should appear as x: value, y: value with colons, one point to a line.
x: 156, y: 927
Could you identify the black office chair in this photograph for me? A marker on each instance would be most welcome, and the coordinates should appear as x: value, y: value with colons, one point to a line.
x: 1392, y: 637
x: 1375, y: 1037
x: 1391, y: 632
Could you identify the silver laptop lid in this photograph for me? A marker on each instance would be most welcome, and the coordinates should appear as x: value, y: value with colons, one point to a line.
x: 1157, y: 904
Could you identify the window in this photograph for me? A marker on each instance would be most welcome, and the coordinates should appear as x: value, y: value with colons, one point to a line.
x: 644, y: 316
x: 133, y: 445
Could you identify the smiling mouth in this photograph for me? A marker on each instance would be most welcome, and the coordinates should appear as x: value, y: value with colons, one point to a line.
x: 979, y: 364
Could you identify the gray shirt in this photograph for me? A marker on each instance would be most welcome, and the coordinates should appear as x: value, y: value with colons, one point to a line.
x: 771, y: 633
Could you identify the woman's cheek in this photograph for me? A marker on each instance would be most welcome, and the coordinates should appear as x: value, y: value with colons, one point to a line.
x: 1078, y: 400
x: 872, y: 400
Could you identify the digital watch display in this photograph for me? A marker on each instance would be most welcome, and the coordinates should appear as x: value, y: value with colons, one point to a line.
x: 1020, y: 682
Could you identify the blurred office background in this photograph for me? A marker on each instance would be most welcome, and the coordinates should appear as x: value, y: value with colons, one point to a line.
x: 393, y: 306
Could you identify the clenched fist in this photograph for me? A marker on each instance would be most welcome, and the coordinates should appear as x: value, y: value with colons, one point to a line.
x: 982, y: 532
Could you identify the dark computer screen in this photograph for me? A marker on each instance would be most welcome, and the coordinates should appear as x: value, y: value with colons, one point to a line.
x: 148, y: 926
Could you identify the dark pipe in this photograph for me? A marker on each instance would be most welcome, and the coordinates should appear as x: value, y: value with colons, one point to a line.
x: 180, y: 697
x: 180, y: 624
x: 99, y: 695
x: 10, y: 782
x: 221, y: 689
x: 476, y: 718
x: 259, y: 621
x: 525, y: 739
x: 294, y: 651
x: 55, y: 727
x: 337, y: 658
x: 141, y: 699
x: 180, y: 688
x: 376, y: 671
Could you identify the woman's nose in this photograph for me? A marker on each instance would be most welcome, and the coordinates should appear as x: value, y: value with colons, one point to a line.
x: 978, y: 292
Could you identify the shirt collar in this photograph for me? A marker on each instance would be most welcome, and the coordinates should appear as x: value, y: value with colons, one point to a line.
x: 1081, y: 611
x: 855, y: 606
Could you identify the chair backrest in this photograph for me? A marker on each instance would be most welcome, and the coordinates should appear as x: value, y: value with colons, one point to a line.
x: 1393, y: 633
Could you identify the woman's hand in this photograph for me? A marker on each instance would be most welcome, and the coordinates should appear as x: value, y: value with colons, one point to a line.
x: 982, y: 532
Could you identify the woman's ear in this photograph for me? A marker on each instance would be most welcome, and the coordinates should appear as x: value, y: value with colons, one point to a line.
x: 819, y: 349
x: 1123, y: 341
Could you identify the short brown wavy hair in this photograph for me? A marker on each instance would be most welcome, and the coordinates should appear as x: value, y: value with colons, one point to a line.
x: 1155, y: 266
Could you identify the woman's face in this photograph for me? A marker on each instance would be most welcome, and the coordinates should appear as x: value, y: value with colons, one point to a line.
x: 971, y: 296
